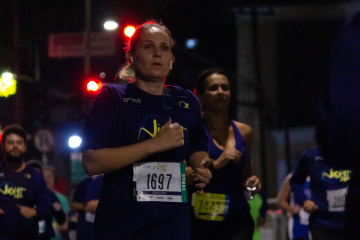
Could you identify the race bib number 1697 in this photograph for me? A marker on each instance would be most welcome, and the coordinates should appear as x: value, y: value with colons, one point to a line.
x: 159, y: 182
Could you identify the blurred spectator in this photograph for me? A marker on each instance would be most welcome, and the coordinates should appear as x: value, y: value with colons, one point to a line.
x: 61, y: 231
x: 298, y: 219
x: 23, y: 194
x: 329, y: 185
x: 77, y: 206
x: 46, y: 231
x: 91, y: 202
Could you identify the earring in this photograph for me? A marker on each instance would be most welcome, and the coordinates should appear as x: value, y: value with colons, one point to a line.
x: 171, y: 64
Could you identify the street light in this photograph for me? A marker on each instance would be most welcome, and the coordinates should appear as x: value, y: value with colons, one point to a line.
x: 110, y: 25
x: 74, y: 141
x: 7, y: 84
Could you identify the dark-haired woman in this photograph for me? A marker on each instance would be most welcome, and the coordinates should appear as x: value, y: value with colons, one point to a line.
x: 222, y: 212
x: 138, y: 135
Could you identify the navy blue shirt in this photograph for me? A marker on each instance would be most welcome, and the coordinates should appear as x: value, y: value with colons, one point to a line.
x: 122, y: 115
x: 47, y: 229
x: 93, y: 193
x: 26, y: 188
x: 79, y: 196
x: 328, y: 189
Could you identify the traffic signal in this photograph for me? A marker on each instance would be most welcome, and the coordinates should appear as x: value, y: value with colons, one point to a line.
x: 129, y: 30
x: 92, y: 87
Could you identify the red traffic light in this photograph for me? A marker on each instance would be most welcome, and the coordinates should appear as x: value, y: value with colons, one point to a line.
x: 93, y: 85
x: 129, y: 31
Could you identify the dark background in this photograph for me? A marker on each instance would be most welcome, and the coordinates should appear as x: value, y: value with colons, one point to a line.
x: 56, y: 100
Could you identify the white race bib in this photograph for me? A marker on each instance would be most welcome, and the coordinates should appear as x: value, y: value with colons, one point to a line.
x: 304, y: 217
x: 90, y: 217
x: 41, y: 225
x: 336, y: 199
x: 159, y: 182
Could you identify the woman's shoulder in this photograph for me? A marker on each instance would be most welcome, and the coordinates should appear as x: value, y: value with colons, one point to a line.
x: 243, y: 128
x: 177, y: 91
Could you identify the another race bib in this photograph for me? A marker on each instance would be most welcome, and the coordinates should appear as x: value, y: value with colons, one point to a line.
x: 159, y: 182
x: 336, y: 199
x: 210, y: 206
x: 90, y: 217
x: 304, y: 217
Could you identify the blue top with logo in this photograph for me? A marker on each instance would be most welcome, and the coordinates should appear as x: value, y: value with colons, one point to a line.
x: 26, y: 188
x: 121, y: 115
x: 227, y: 180
x: 328, y: 189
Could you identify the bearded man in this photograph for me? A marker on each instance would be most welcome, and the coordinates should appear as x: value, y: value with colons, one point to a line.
x: 23, y: 195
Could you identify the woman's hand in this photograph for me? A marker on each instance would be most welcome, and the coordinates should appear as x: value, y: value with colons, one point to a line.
x: 27, y: 211
x: 253, y: 182
x: 310, y: 206
x: 57, y: 206
x: 170, y: 136
x: 229, y: 154
x: 295, y: 209
x: 202, y: 175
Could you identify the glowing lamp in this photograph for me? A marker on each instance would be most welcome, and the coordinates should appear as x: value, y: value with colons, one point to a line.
x: 93, y: 86
x: 7, y: 85
x: 129, y: 31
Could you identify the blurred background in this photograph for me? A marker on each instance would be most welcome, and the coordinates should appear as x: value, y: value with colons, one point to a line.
x: 277, y: 52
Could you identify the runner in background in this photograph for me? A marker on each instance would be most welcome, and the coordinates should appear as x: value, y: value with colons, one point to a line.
x: 298, y: 219
x: 329, y: 186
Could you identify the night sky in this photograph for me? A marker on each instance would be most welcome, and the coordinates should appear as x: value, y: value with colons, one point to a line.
x: 212, y: 22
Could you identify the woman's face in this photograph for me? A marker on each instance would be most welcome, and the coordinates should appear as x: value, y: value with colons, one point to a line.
x: 217, y: 93
x: 152, y: 55
x: 49, y: 179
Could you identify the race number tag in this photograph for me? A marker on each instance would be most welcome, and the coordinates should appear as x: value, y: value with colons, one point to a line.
x: 159, y: 182
x: 210, y: 206
x: 336, y: 199
x: 304, y: 217
x: 90, y: 217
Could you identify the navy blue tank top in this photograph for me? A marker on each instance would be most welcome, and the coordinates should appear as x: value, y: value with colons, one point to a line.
x: 228, y: 180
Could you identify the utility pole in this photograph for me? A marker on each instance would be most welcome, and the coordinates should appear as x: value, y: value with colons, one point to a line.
x: 16, y: 61
x: 87, y: 31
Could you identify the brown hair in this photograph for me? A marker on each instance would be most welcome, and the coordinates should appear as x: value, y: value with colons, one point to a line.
x: 16, y: 129
x: 201, y: 80
x: 128, y: 72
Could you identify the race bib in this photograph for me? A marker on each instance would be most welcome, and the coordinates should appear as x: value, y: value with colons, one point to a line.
x: 304, y: 217
x: 159, y: 182
x: 90, y: 217
x: 41, y: 226
x: 336, y: 199
x: 210, y: 206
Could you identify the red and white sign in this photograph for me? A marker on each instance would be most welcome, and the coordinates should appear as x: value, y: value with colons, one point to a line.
x: 72, y: 44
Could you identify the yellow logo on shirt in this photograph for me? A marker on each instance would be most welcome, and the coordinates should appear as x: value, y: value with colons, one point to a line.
x: 184, y: 104
x: 343, y: 175
x: 16, y: 192
x: 156, y: 130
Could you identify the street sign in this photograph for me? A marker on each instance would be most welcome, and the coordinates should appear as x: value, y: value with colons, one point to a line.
x: 44, y: 140
x: 62, y: 45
